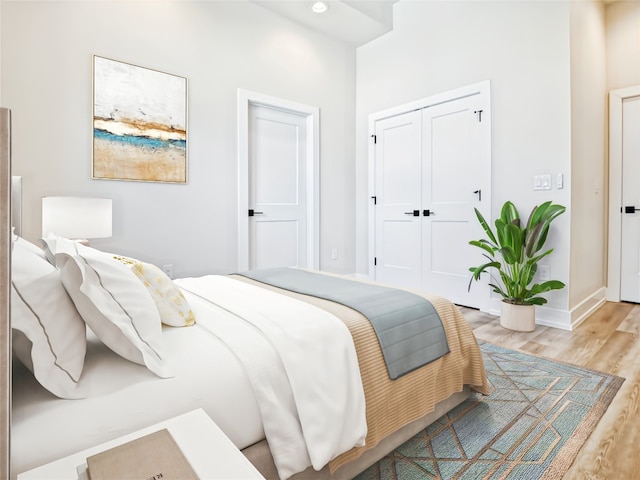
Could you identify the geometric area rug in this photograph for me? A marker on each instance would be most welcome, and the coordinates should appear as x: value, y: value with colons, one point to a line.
x: 531, y: 426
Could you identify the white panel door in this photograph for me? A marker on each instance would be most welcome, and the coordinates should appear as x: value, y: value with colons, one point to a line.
x: 277, y: 188
x: 630, y: 253
x: 398, y: 191
x: 456, y: 170
x: 435, y: 163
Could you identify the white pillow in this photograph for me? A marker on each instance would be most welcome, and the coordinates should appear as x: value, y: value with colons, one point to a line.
x: 27, y: 245
x: 53, y: 244
x: 49, y: 336
x: 114, y: 304
x: 174, y: 309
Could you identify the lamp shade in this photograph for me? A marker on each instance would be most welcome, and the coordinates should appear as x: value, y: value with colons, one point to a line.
x: 76, y: 217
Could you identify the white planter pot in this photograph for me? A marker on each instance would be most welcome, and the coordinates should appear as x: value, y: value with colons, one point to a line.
x: 521, y: 318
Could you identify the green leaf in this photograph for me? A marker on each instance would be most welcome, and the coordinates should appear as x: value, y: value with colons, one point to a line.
x: 477, y: 271
x: 537, y: 301
x: 498, y: 290
x: 537, y: 212
x: 508, y: 255
x: 485, y: 226
x: 509, y: 213
x: 547, y: 286
x: 531, y: 240
x: 484, y: 245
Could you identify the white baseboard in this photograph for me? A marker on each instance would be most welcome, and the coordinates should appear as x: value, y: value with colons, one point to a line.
x: 588, y: 306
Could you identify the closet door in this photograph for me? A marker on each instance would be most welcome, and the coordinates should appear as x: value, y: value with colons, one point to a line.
x: 432, y: 167
x: 455, y: 176
x: 398, y: 197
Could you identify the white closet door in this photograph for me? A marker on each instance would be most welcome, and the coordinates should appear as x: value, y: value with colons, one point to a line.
x: 456, y: 172
x: 277, y: 188
x: 398, y: 189
x: 433, y: 162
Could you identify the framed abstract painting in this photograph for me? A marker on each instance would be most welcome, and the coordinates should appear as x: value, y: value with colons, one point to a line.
x: 139, y: 123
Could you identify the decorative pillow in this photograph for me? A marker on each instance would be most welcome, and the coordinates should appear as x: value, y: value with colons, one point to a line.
x: 27, y: 245
x: 115, y: 305
x: 173, y: 307
x: 49, y: 336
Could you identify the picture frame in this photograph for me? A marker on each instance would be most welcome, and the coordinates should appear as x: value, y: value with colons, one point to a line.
x: 139, y: 123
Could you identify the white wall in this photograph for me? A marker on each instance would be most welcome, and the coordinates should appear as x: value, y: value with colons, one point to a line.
x: 623, y: 44
x: 588, y: 172
x: 47, y: 50
x: 523, y: 49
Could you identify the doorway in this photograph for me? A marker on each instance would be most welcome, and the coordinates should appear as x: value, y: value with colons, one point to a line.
x: 278, y: 183
x: 624, y: 184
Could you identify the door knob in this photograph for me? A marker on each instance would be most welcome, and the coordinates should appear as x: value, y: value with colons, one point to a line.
x: 428, y: 213
x: 415, y: 213
x: 252, y: 212
x: 630, y: 209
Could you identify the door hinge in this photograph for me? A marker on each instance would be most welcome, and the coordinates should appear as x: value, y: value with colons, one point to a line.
x: 375, y: 261
x: 479, y: 113
x: 375, y: 199
x: 375, y: 138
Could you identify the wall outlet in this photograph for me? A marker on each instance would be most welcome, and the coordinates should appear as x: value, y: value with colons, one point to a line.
x: 543, y: 272
x: 168, y: 269
x: 334, y: 254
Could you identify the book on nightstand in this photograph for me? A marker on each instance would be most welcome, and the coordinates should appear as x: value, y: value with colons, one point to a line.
x: 156, y: 456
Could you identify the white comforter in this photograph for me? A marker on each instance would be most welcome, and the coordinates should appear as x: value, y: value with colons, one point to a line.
x: 310, y: 393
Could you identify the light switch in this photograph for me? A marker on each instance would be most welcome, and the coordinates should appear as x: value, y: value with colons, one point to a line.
x: 542, y: 182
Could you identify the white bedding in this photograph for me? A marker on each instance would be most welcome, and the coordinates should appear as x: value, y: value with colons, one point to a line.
x: 312, y: 411
x: 124, y: 397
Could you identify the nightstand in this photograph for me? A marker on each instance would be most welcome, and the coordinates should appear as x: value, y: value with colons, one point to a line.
x: 211, y: 454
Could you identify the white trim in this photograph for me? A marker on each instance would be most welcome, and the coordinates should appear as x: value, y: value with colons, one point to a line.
x: 312, y: 114
x: 616, y: 97
x: 588, y: 306
x: 483, y: 89
x: 553, y: 317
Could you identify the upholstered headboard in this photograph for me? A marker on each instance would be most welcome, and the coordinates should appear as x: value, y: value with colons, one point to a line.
x: 5, y: 291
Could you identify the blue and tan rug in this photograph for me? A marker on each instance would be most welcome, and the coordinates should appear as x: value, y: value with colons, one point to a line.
x: 531, y: 426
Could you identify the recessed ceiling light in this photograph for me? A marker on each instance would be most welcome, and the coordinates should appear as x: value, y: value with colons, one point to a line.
x: 319, y: 7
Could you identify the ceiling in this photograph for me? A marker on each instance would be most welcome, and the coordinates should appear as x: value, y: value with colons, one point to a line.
x: 353, y: 21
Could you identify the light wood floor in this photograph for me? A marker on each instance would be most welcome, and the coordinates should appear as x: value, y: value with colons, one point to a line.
x: 608, y: 341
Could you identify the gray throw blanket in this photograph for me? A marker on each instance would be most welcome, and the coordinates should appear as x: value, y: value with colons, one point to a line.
x: 408, y: 327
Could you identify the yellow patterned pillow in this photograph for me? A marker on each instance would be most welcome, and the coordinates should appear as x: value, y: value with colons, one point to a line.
x: 173, y: 307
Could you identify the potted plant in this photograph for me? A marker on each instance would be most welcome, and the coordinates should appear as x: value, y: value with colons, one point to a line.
x: 514, y: 251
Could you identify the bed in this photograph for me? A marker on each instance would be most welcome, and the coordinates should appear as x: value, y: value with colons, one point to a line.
x: 85, y: 381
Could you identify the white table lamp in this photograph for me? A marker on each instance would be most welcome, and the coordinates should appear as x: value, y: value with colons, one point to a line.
x: 78, y: 218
